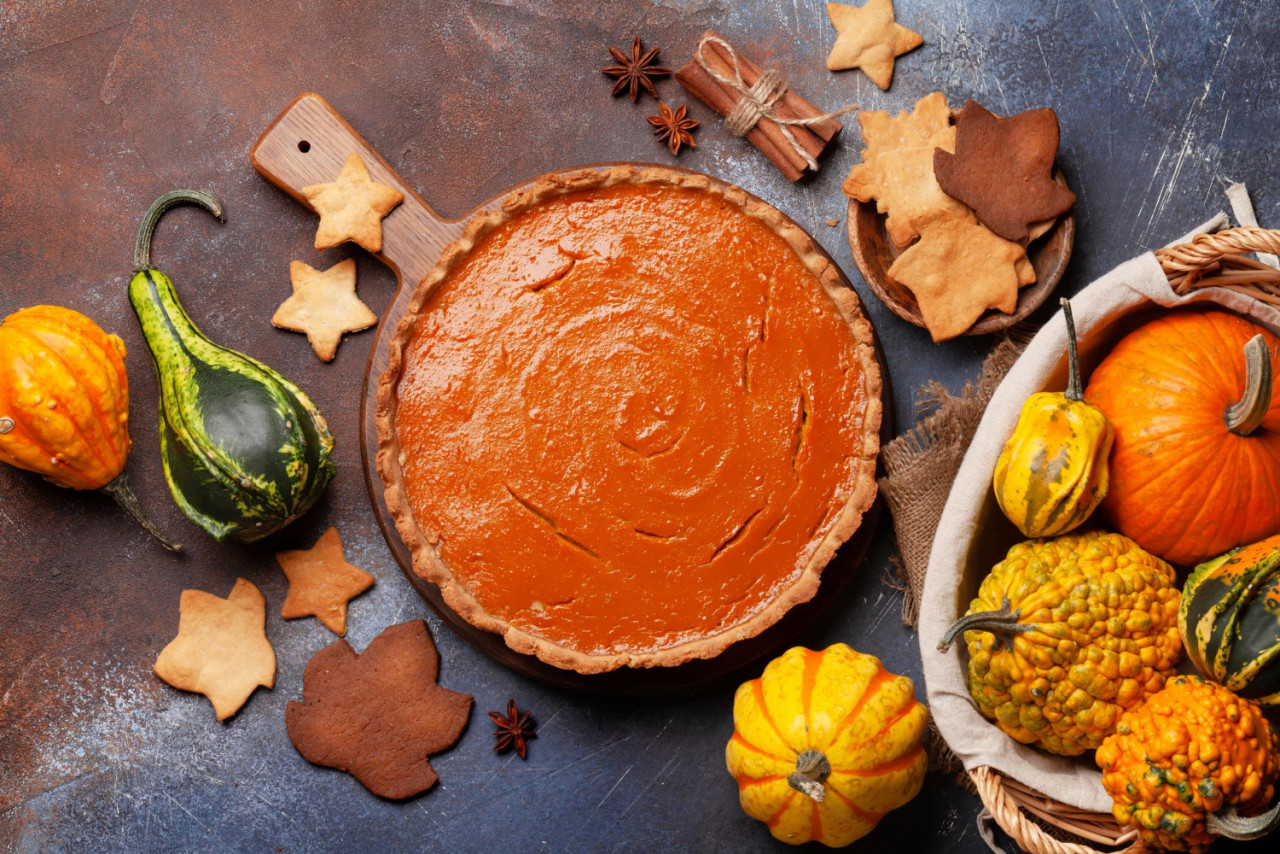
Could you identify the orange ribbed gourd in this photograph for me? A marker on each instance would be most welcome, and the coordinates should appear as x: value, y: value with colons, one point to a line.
x: 64, y: 397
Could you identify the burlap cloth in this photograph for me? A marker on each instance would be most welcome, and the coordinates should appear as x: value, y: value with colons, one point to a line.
x: 921, y: 464
x: 950, y: 531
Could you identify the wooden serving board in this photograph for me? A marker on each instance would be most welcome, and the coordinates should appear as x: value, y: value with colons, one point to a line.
x: 307, y: 144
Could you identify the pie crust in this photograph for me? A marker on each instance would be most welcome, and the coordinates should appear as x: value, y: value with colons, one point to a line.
x: 842, y: 519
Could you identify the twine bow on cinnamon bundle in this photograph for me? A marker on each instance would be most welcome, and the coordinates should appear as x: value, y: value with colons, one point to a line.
x: 758, y: 104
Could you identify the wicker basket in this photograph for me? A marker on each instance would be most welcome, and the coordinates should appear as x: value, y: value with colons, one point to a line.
x: 1210, y: 260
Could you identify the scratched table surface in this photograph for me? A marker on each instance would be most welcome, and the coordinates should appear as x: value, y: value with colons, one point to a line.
x: 104, y: 105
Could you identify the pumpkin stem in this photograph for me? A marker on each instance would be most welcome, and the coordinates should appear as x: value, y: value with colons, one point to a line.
x: 1246, y: 414
x: 1073, y: 357
x: 1229, y: 823
x: 120, y: 491
x: 1003, y: 624
x: 812, y: 770
x: 142, y: 249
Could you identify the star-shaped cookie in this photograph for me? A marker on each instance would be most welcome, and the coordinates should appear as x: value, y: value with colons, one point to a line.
x: 221, y: 649
x: 321, y: 582
x: 869, y: 38
x: 324, y: 305
x: 958, y: 270
x: 352, y: 207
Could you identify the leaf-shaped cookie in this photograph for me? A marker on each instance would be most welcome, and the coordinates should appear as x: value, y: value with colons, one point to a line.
x: 378, y: 715
x: 897, y: 167
x: 882, y: 132
x: 1003, y: 169
x: 909, y: 194
x: 221, y: 649
x: 957, y: 271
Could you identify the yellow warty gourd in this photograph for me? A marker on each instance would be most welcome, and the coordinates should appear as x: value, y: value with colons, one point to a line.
x: 1066, y: 634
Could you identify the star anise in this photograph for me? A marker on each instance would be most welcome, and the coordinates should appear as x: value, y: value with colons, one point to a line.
x: 672, y: 127
x: 636, y: 70
x: 512, y: 730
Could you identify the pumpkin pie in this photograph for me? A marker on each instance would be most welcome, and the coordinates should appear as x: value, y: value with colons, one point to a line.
x: 628, y: 419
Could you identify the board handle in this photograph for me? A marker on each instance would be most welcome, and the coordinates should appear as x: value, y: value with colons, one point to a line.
x: 308, y: 143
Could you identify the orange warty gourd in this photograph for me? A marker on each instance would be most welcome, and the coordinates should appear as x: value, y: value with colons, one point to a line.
x: 64, y: 403
x: 1195, y: 470
x: 825, y: 743
x: 1192, y: 763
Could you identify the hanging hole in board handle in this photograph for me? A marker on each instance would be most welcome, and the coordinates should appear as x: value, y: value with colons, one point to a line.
x: 304, y: 146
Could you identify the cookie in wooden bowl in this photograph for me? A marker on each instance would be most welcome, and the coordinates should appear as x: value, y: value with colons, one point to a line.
x: 967, y: 276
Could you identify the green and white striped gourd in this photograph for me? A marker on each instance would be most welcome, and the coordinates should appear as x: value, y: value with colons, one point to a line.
x: 1229, y: 619
x: 245, y: 451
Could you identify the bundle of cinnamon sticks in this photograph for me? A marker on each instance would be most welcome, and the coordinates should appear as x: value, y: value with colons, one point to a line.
x: 767, y: 135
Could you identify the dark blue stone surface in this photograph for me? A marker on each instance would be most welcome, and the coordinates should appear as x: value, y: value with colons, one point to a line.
x: 104, y: 105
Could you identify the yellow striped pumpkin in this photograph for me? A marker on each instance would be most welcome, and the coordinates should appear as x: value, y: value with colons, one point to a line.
x: 825, y: 743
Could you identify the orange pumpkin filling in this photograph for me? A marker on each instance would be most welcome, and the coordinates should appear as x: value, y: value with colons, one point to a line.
x: 628, y: 418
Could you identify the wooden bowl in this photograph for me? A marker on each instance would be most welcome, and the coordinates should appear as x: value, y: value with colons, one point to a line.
x: 874, y: 253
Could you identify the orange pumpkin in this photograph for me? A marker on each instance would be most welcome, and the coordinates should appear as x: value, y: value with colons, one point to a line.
x: 64, y: 403
x: 1195, y: 469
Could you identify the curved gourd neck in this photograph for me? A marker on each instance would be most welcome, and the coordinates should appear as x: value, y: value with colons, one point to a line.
x: 1074, y: 387
x: 1002, y: 623
x: 1229, y: 823
x: 151, y: 292
x: 147, y: 229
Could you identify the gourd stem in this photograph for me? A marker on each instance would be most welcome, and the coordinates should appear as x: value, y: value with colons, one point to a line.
x: 142, y: 249
x: 1246, y: 414
x: 1229, y: 823
x: 1002, y: 624
x: 120, y: 491
x: 1073, y: 357
x: 812, y: 770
